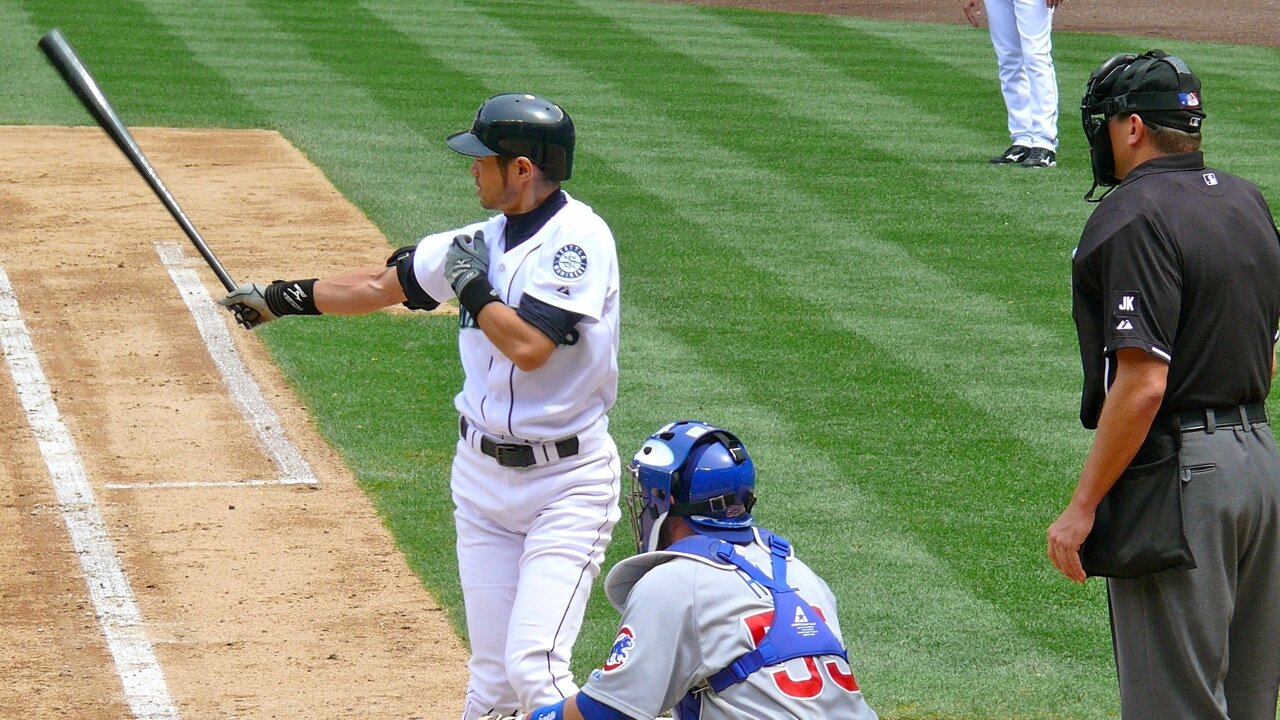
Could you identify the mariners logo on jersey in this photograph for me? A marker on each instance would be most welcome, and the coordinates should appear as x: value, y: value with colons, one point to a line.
x: 621, y: 649
x: 570, y: 262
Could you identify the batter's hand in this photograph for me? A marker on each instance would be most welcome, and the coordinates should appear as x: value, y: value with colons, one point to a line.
x: 970, y: 8
x: 249, y: 305
x: 1065, y: 536
x: 466, y: 260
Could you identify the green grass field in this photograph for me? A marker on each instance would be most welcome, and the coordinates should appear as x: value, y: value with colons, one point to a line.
x: 815, y: 254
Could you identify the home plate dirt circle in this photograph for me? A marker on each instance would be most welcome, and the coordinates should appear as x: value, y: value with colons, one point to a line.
x: 260, y: 581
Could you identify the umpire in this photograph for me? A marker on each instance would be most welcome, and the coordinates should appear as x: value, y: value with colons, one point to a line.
x: 1176, y: 300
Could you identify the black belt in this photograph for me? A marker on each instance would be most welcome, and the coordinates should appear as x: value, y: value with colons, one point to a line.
x: 518, y: 455
x: 1231, y: 416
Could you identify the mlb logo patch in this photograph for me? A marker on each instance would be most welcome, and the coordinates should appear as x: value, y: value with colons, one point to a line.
x: 1210, y: 179
x: 1188, y: 100
x: 621, y: 650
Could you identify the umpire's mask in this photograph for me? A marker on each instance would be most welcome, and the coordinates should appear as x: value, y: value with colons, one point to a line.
x: 1159, y: 88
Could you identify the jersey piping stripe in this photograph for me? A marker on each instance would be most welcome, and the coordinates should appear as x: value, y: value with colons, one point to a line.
x: 485, y: 398
x: 581, y: 573
x: 511, y: 378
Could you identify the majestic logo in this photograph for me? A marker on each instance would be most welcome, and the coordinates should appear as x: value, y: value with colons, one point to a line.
x: 1210, y: 179
x: 570, y: 262
x: 1126, y: 304
x: 622, y: 646
x: 1188, y: 100
x: 1124, y: 325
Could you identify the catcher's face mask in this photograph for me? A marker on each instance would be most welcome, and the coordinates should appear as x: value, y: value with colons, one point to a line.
x: 692, y: 470
x: 649, y: 497
x: 1158, y: 87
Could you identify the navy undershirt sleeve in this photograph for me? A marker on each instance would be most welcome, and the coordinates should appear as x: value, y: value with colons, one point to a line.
x: 556, y: 323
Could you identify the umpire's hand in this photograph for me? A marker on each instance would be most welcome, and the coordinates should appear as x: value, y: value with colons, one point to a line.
x: 1065, y: 537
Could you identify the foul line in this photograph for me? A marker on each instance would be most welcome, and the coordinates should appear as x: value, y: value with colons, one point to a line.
x: 113, y: 601
x: 210, y: 321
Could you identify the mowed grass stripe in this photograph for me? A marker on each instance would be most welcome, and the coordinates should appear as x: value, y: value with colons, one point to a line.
x: 935, y: 195
x: 383, y: 164
x: 34, y: 93
x: 146, y: 70
x: 689, y: 244
x: 397, y: 82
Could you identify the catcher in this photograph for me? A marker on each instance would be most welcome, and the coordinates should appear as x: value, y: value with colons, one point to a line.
x: 698, y: 602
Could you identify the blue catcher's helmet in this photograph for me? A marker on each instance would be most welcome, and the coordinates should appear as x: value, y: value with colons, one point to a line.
x: 696, y: 471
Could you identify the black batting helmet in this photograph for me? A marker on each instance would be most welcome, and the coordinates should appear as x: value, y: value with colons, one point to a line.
x: 521, y: 125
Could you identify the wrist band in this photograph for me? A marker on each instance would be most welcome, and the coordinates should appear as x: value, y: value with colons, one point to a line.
x: 476, y: 294
x: 291, y: 297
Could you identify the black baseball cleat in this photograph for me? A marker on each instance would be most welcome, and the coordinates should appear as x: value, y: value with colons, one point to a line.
x: 1015, y: 154
x: 1040, y: 158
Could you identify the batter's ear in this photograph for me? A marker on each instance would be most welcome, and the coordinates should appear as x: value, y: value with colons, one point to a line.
x: 524, y: 168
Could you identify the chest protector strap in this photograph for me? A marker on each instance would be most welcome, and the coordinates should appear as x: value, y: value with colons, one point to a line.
x: 796, y: 631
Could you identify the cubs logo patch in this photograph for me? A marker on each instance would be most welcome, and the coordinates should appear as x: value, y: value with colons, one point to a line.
x: 622, y: 646
x: 570, y: 262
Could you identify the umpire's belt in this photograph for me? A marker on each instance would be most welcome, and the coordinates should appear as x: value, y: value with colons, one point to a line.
x: 1232, y: 416
x: 519, y: 455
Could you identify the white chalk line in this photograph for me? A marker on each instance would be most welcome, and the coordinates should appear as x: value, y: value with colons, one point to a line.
x: 145, y: 690
x: 209, y: 317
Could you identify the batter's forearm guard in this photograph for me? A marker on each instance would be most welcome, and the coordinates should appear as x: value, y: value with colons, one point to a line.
x: 291, y: 297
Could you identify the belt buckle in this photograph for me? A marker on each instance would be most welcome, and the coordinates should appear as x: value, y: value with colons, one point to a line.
x: 512, y: 454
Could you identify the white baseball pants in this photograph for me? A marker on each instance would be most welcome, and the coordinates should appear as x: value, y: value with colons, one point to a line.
x: 530, y: 543
x: 1021, y: 34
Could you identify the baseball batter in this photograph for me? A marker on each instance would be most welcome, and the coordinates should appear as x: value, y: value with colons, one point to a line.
x: 535, y: 477
x: 720, y: 620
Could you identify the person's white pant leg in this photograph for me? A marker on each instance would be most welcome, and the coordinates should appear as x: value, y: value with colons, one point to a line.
x: 1035, y: 25
x: 563, y: 553
x: 1002, y: 21
x: 488, y: 571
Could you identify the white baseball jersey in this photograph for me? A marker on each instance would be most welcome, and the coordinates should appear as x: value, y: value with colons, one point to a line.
x: 685, y: 618
x: 1021, y: 32
x: 570, y: 263
x: 531, y: 539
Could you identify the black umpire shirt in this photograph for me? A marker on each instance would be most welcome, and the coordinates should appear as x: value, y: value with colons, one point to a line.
x: 1183, y: 262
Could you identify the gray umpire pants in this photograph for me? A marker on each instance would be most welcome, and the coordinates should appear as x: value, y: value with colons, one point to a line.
x: 1204, y: 644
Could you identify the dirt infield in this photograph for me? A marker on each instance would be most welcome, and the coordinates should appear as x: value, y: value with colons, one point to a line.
x: 261, y: 601
x: 1250, y: 22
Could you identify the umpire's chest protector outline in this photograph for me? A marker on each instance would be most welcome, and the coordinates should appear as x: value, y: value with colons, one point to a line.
x: 571, y: 263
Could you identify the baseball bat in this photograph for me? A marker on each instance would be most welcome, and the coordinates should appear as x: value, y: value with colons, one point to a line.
x: 64, y: 58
